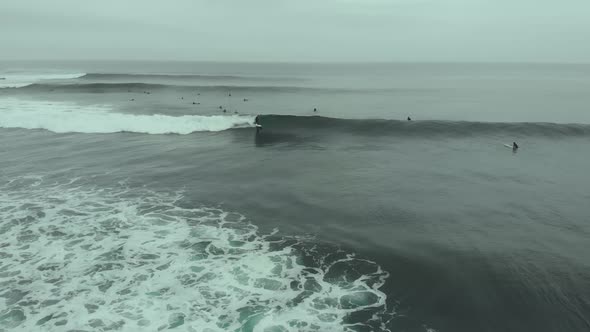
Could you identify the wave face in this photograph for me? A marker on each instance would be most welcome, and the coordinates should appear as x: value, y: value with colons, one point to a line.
x: 187, y: 77
x: 62, y: 117
x: 77, y: 257
x: 102, y: 87
x: 424, y: 129
x: 25, y: 79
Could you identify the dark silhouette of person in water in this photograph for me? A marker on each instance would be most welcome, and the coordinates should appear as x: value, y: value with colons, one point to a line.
x: 409, y: 119
x: 514, y: 146
x: 257, y: 124
x: 315, y: 109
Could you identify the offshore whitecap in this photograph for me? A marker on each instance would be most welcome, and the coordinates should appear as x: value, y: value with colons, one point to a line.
x: 74, y: 256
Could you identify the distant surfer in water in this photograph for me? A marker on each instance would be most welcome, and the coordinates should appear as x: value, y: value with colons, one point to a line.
x: 514, y: 146
x: 409, y: 119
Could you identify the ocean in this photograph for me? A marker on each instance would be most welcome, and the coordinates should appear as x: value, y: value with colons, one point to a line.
x: 138, y: 196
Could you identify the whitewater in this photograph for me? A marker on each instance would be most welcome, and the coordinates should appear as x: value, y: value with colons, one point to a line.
x: 67, y: 117
x: 134, y: 259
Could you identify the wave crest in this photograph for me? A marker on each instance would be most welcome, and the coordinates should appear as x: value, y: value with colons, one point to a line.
x: 135, y: 77
x: 25, y: 79
x: 179, y: 86
x: 68, y: 117
x: 425, y: 129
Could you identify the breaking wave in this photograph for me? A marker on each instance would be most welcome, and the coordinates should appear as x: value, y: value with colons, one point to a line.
x: 426, y: 129
x: 186, y: 77
x: 19, y: 80
x: 62, y: 117
x: 102, y: 87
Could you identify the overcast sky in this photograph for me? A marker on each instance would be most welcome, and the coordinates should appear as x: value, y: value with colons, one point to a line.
x: 297, y: 30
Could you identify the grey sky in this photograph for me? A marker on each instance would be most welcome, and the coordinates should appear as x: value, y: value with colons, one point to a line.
x: 297, y: 30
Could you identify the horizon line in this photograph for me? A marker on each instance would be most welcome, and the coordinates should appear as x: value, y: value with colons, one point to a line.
x: 320, y: 62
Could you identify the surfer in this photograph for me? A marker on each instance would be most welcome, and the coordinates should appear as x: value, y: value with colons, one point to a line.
x: 258, y: 126
x: 315, y: 109
x: 514, y: 146
x: 409, y: 119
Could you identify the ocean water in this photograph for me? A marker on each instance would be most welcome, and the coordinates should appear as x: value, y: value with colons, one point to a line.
x: 138, y: 196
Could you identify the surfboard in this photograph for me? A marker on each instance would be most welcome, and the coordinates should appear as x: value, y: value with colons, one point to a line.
x: 258, y: 126
x: 508, y: 145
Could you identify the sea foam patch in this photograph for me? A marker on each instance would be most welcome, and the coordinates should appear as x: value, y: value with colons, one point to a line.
x: 67, y: 117
x: 77, y: 257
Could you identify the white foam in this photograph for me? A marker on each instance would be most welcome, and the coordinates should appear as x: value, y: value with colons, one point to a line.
x: 24, y: 79
x: 76, y: 257
x: 64, y: 117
